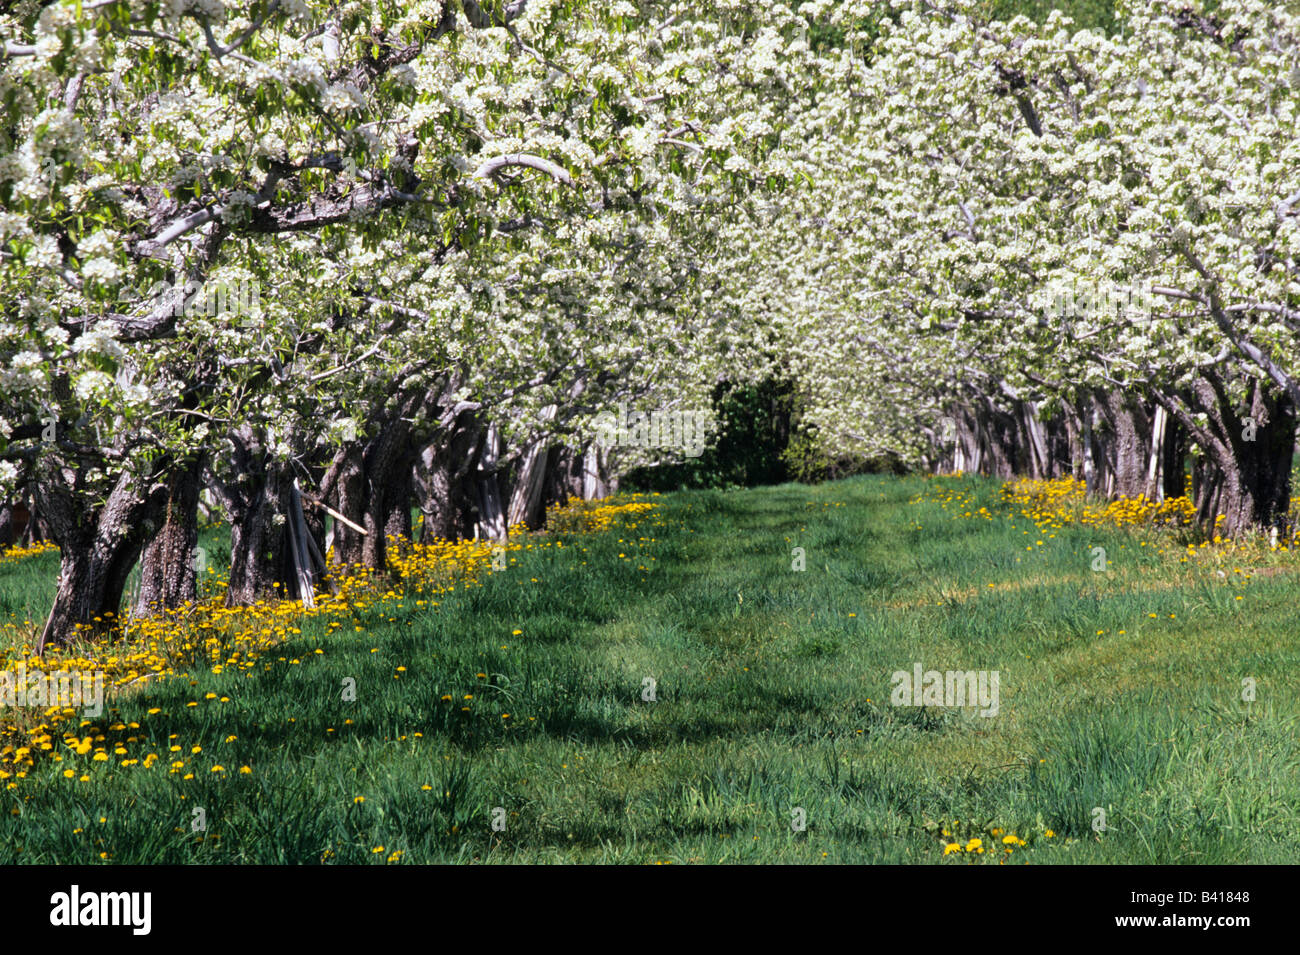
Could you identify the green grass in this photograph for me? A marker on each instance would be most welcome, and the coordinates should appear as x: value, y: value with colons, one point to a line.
x: 770, y: 698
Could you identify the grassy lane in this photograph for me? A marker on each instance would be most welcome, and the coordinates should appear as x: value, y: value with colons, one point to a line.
x: 520, y: 703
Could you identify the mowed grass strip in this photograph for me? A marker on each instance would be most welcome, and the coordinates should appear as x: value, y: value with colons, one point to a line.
x: 678, y: 692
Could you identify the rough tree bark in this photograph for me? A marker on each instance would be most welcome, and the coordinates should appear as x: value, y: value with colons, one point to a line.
x: 376, y: 483
x: 168, y: 573
x: 1123, y: 443
x: 98, y: 549
x: 1244, y: 473
x: 257, y: 505
x: 448, y: 499
x: 349, y: 500
x: 387, y: 463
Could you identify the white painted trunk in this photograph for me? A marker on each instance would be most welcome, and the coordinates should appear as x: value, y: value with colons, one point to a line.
x: 594, y: 485
x: 532, y: 477
x: 1089, y: 466
x: 492, y: 515
x: 1037, y: 440
x: 1155, y: 488
x: 298, y: 548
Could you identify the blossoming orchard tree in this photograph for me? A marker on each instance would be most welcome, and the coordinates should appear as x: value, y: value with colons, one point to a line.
x: 280, y: 145
x: 1018, y: 225
x: 301, y: 258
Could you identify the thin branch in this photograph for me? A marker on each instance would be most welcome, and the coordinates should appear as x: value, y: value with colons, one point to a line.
x: 179, y: 228
x: 218, y: 50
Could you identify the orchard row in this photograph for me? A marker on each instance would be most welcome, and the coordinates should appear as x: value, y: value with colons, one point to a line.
x: 489, y: 241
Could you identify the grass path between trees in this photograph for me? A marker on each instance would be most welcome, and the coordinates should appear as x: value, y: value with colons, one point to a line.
x: 513, y: 722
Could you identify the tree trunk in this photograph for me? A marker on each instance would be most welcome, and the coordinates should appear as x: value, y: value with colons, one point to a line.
x: 563, y: 477
x: 970, y: 455
x: 1036, y: 434
x: 374, y: 485
x: 530, y: 482
x: 397, y: 501
x: 259, y: 505
x: 89, y: 594
x: 388, y: 460
x: 1172, y: 468
x: 529, y: 479
x: 433, y: 489
x: 1207, y: 490
x: 596, y: 481
x: 98, y: 550
x: 1244, y: 472
x: 168, y: 571
x: 1257, y: 491
x: 997, y: 437
x: 1060, y: 445
x: 31, y: 527
x: 349, y: 500
x: 448, y: 494
x: 1124, y: 444
x: 1074, y: 439
x: 492, y: 515
x: 1091, y: 419
x: 1153, y: 487
x: 260, y: 561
